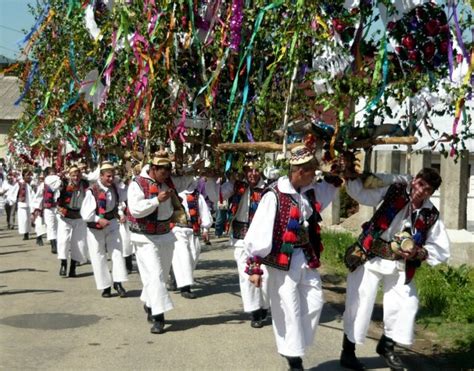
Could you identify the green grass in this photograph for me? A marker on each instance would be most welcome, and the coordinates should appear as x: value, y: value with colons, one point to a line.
x: 447, y: 304
x: 335, y: 245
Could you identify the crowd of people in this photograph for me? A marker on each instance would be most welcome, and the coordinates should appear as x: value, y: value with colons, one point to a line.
x: 273, y: 226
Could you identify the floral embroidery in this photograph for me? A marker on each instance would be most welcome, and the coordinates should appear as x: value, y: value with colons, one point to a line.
x: 101, y: 206
x: 193, y: 207
x: 253, y: 266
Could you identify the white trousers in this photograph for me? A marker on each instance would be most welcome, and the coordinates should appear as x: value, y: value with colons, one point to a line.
x: 253, y: 298
x: 23, y: 219
x: 40, y: 227
x: 187, y: 249
x: 400, y: 304
x: 296, y: 300
x: 127, y: 248
x: 103, y: 243
x: 154, y: 255
x: 51, y: 221
x: 72, y: 239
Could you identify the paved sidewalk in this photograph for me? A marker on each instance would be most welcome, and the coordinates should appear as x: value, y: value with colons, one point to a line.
x: 50, y: 322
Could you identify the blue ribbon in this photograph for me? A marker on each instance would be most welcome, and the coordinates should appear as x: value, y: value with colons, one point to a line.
x: 28, y: 83
x: 379, y: 95
x: 36, y: 25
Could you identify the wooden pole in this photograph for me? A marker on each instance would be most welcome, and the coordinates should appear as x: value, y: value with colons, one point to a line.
x: 275, y: 147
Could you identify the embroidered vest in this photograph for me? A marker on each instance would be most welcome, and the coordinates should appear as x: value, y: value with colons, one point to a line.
x: 239, y: 229
x: 307, y: 239
x: 48, y: 198
x: 194, y: 221
x: 22, y: 192
x: 148, y: 224
x: 394, y: 201
x: 66, y: 195
x: 101, y: 201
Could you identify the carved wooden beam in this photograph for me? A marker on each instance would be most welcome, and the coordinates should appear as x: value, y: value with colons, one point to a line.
x: 366, y: 143
x: 253, y: 147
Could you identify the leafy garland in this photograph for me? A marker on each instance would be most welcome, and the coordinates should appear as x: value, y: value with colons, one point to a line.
x: 154, y: 64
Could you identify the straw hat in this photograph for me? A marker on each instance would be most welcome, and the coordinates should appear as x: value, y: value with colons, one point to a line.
x: 107, y: 165
x: 301, y: 155
x: 161, y: 158
x: 72, y: 169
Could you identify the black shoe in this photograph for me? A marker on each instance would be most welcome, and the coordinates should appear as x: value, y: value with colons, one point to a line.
x: 54, y: 247
x: 72, y: 269
x: 256, y: 321
x: 186, y: 292
x: 158, y: 324
x: 107, y: 293
x: 120, y: 290
x: 129, y: 264
x: 147, y: 310
x: 39, y: 241
x: 26, y: 237
x: 263, y: 314
x: 295, y: 363
x: 63, y: 269
x: 348, y: 358
x: 386, y: 348
x: 171, y: 284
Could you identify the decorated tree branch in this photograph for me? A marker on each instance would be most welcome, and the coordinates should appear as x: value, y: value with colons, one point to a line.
x: 108, y: 76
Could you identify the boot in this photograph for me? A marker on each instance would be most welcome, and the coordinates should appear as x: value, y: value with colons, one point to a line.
x: 26, y: 236
x: 106, y: 293
x: 348, y: 358
x: 63, y: 269
x: 39, y: 241
x: 129, y: 264
x: 171, y: 285
x: 295, y: 363
x: 147, y: 310
x: 120, y: 290
x: 263, y: 314
x: 256, y: 321
x: 386, y: 348
x: 72, y: 269
x: 186, y: 292
x: 54, y: 247
x: 158, y: 324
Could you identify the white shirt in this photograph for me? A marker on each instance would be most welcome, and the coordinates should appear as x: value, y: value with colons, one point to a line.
x: 89, y: 205
x: 13, y: 195
x: 437, y: 242
x: 259, y: 238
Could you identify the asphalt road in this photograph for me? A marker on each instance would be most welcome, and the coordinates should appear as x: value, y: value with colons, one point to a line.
x: 48, y: 322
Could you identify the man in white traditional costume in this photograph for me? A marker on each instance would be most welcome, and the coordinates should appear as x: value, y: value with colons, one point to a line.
x: 285, y: 236
x: 244, y: 198
x: 152, y: 201
x: 71, y: 231
x: 48, y: 205
x: 37, y: 214
x: 404, y: 231
x: 7, y: 186
x: 187, y: 232
x: 22, y: 194
x: 100, y: 211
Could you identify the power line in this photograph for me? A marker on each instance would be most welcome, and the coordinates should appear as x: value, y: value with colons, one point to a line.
x: 12, y: 50
x: 11, y: 29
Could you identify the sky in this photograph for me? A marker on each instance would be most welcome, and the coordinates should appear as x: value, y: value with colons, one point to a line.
x: 14, y: 17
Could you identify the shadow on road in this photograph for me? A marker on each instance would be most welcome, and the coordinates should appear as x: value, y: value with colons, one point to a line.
x: 13, y: 252
x: 225, y: 318
x: 29, y: 291
x: 6, y: 246
x: 22, y: 270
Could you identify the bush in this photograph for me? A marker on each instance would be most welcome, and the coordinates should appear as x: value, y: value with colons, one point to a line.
x: 447, y: 291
